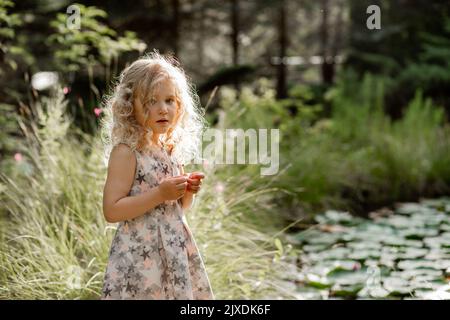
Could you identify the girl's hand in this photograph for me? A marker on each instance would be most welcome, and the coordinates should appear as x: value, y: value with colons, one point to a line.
x: 173, y: 188
x: 195, y: 181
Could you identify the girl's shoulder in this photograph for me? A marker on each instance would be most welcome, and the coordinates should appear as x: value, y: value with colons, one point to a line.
x: 122, y: 157
x: 122, y: 147
x: 123, y: 151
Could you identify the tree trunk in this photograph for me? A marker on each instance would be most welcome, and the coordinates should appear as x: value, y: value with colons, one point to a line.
x: 327, y: 61
x: 200, y: 37
x: 235, y: 37
x: 175, y: 27
x: 283, y: 44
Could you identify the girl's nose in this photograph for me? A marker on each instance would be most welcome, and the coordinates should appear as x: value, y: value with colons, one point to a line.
x: 163, y: 109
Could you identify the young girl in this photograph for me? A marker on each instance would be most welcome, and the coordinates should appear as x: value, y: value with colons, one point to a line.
x: 154, y: 126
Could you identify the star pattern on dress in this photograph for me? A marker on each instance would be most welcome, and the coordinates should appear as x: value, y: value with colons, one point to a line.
x: 183, y: 279
x: 140, y: 178
x: 176, y: 280
x: 130, y: 287
x: 170, y: 242
x: 138, y: 276
x: 167, y: 227
x: 145, y: 254
x: 120, y: 269
x: 107, y: 292
x: 182, y: 244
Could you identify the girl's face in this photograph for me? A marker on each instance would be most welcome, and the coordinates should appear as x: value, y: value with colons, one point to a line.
x: 159, y: 111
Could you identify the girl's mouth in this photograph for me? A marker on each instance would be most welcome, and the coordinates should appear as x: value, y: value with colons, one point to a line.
x: 163, y: 121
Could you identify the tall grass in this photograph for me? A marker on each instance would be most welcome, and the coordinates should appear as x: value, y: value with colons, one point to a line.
x: 55, y: 241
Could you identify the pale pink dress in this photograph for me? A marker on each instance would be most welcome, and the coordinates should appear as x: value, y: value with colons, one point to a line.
x: 155, y: 256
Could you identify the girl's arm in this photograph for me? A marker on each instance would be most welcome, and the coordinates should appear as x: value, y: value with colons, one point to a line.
x: 117, y: 205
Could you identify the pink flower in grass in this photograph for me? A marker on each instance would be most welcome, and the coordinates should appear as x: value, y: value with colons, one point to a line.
x: 219, y: 187
x: 98, y: 112
x: 66, y: 90
x: 18, y: 157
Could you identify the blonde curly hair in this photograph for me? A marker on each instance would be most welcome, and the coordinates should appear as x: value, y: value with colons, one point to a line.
x: 138, y: 80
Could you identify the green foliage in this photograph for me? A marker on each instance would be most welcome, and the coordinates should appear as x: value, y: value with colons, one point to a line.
x: 431, y: 71
x: 358, y: 158
x: 94, y: 42
x: 8, y: 23
x: 362, y: 157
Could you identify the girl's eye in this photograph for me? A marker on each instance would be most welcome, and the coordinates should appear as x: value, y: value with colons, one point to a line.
x: 170, y: 100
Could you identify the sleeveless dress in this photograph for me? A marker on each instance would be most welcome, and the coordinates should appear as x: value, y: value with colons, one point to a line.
x: 155, y: 256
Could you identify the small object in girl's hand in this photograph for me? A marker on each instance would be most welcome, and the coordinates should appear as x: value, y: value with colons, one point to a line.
x: 196, y: 175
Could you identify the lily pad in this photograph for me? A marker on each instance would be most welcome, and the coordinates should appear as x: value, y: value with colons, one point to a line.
x: 337, y: 217
x: 376, y: 292
x: 413, y: 253
x: 418, y: 233
x: 316, y: 281
x: 364, y: 254
x: 339, y: 290
x: 397, y: 286
x: 415, y: 264
x: 409, y: 208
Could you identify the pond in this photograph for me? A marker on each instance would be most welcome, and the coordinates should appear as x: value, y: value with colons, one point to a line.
x: 403, y: 253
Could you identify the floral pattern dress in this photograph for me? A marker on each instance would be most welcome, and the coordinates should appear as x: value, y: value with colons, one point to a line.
x: 155, y: 256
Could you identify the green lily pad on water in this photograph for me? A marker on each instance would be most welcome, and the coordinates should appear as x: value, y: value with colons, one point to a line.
x: 397, y: 286
x: 436, y: 242
x: 339, y: 253
x: 416, y: 264
x: 409, y: 274
x: 439, y: 294
x: 438, y: 204
x: 418, y: 233
x: 375, y: 292
x: 308, y: 293
x: 364, y: 245
x: 348, y: 278
x: 398, y: 241
x: 343, y: 265
x: 401, y: 222
x: 409, y: 208
x: 339, y: 290
x: 437, y: 254
x: 412, y: 253
x: 409, y: 251
x: 317, y: 281
x: 364, y: 254
x: 337, y: 217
